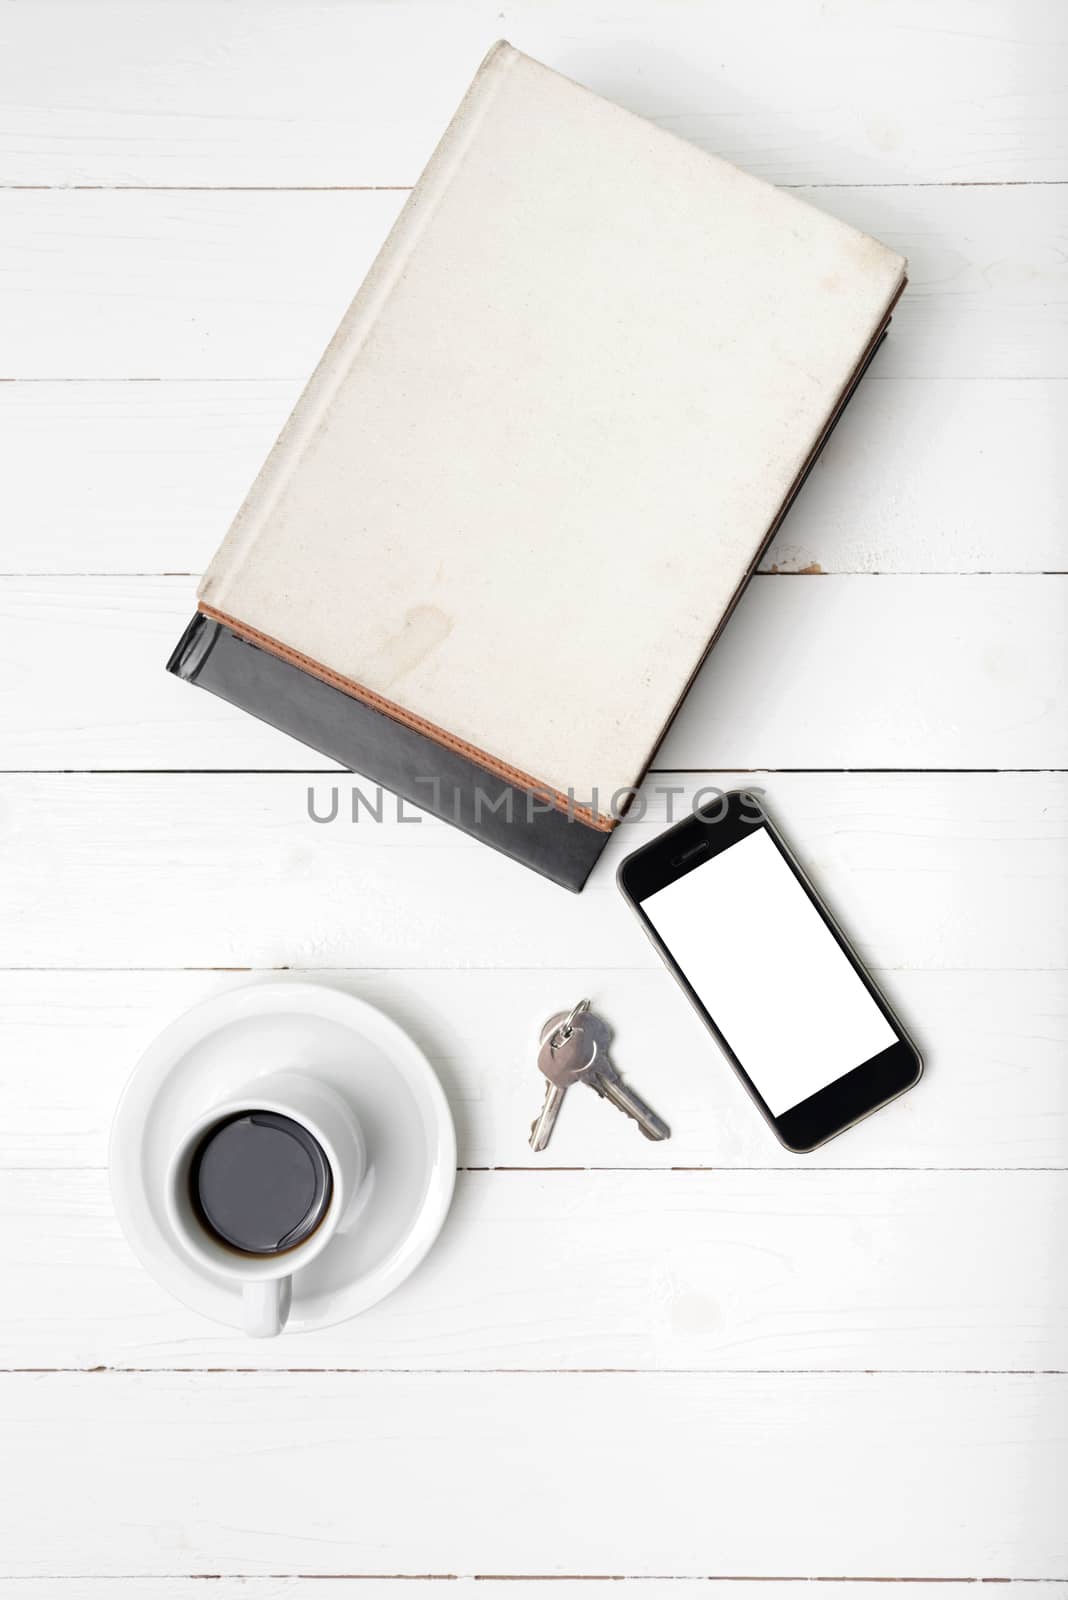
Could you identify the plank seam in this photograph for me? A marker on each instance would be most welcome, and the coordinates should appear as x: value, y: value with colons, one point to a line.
x: 490, y: 1577
x: 540, y: 1372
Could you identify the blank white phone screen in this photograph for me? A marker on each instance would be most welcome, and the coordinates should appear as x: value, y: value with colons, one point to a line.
x: 768, y: 971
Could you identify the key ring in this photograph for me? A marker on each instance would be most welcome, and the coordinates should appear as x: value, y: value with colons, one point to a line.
x: 567, y: 1027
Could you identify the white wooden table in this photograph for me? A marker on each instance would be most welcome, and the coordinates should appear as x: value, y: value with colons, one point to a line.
x: 710, y: 1360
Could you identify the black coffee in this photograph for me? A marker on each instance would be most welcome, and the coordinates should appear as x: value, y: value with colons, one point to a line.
x: 260, y: 1182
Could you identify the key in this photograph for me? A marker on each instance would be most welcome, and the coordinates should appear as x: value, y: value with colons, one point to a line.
x: 602, y: 1077
x: 564, y: 1054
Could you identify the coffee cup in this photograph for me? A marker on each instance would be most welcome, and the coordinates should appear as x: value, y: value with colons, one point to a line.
x: 260, y: 1183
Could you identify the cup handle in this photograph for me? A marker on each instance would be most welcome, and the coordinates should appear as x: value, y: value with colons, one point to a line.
x: 266, y: 1306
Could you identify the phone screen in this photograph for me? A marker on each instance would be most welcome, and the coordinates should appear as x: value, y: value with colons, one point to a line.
x: 770, y: 973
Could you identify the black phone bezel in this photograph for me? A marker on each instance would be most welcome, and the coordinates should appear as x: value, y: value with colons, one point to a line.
x: 687, y: 845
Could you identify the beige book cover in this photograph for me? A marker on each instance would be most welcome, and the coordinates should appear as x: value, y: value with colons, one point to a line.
x: 544, y: 451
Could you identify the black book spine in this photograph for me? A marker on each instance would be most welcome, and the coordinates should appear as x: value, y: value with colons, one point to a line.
x: 385, y: 751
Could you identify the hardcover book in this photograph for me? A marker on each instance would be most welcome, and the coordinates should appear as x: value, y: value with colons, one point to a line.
x: 546, y: 448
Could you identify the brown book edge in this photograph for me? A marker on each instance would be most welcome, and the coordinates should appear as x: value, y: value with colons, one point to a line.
x: 390, y: 708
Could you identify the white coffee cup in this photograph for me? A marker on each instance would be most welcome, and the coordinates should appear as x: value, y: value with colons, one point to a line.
x: 266, y: 1281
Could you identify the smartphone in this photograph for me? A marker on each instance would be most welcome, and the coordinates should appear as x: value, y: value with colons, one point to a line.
x: 769, y: 970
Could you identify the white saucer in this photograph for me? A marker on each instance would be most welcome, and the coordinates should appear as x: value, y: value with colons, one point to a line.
x: 221, y: 1045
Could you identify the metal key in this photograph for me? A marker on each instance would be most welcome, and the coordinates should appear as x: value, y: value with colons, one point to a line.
x: 602, y: 1077
x: 564, y: 1055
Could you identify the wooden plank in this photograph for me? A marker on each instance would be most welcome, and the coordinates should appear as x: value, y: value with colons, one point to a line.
x: 913, y: 480
x: 635, y: 1271
x: 153, y: 472
x: 995, y: 1093
x: 252, y: 285
x: 680, y: 1474
x: 851, y: 671
x: 928, y: 869
x: 909, y: 672
x: 321, y: 94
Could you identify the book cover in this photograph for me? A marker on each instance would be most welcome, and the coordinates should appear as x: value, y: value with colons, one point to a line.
x: 527, y: 483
